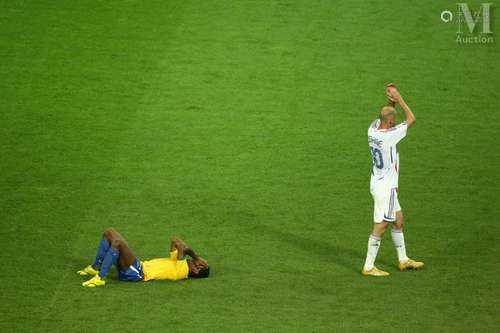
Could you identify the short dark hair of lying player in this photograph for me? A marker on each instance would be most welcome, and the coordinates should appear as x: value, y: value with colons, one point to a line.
x: 114, y: 250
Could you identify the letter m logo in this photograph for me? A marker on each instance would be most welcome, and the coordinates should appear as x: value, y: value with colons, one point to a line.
x: 471, y: 19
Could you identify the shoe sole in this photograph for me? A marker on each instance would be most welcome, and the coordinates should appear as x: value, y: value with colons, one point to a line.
x: 374, y: 275
x: 411, y: 268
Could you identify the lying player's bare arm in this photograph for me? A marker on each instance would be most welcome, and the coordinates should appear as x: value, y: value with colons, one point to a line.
x: 184, y: 249
x: 199, y: 261
x: 190, y: 252
x: 179, y: 245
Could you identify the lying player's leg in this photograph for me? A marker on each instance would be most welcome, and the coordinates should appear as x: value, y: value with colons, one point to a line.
x: 93, y: 269
x: 129, y: 266
x: 118, y: 253
x: 127, y: 257
x: 104, y: 245
x: 110, y: 258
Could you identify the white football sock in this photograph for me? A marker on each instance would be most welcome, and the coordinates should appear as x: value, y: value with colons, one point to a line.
x: 399, y: 242
x: 371, y: 254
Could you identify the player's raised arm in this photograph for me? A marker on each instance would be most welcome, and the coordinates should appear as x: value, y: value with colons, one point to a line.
x: 179, y: 245
x: 394, y: 96
x: 190, y: 252
x: 200, y: 262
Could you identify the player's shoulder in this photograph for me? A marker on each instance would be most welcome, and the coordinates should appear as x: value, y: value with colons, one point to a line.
x: 374, y: 125
x: 398, y: 127
x: 404, y: 124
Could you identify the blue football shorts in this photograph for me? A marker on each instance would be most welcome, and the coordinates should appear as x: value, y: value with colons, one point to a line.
x: 133, y: 273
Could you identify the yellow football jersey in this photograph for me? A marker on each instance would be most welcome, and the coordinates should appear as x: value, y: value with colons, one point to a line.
x: 165, y: 268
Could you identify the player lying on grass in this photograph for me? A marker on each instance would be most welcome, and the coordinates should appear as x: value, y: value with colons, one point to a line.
x: 383, y: 137
x: 114, y: 250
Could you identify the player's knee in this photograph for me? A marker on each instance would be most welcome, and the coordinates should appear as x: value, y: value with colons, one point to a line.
x: 399, y: 223
x: 116, y: 244
x: 108, y: 233
x: 379, y: 229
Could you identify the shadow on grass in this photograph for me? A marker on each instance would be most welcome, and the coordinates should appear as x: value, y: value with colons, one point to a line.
x: 342, y: 256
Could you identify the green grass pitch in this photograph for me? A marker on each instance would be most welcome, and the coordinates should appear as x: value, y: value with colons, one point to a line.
x: 241, y: 127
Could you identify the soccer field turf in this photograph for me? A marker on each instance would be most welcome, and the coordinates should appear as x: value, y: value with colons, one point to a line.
x: 241, y: 127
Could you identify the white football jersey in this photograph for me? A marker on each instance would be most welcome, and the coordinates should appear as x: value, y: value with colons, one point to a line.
x: 384, y: 150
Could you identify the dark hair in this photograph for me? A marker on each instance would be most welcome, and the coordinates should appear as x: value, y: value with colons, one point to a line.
x: 202, y: 273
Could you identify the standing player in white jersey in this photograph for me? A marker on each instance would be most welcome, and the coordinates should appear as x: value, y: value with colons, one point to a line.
x: 383, y: 137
